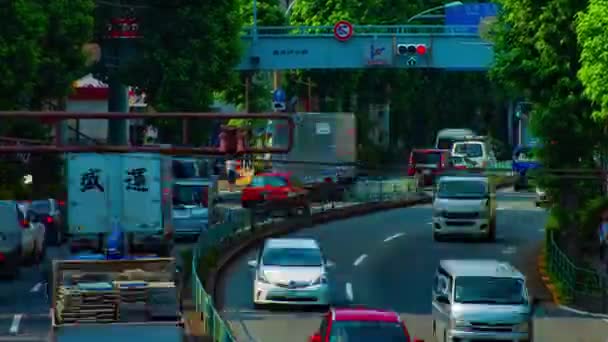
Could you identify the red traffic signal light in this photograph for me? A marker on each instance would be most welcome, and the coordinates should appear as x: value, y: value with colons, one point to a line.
x: 410, y: 49
x: 421, y: 49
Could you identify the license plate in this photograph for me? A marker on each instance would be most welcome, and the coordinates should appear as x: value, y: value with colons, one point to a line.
x: 297, y: 294
x: 426, y: 172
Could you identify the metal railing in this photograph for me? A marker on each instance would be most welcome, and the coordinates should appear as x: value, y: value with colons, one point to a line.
x: 365, y: 30
x: 574, y: 283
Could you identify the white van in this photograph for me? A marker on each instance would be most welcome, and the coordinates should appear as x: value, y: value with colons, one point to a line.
x: 478, y: 150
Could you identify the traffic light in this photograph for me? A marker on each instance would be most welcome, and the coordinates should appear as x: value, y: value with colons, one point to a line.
x: 411, y: 49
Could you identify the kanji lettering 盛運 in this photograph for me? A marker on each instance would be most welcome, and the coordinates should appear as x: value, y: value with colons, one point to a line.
x: 89, y: 180
x: 136, y: 180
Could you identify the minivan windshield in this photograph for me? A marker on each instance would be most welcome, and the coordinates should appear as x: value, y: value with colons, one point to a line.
x: 489, y: 290
x: 41, y: 207
x: 445, y: 143
x: 302, y: 257
x: 471, y: 150
x: 462, y: 189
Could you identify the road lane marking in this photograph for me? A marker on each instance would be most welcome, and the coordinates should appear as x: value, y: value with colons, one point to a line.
x: 393, y: 237
x: 360, y: 259
x: 36, y: 287
x: 349, y: 292
x: 14, y: 329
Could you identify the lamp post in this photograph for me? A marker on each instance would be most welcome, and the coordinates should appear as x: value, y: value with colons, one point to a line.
x: 423, y: 14
x: 254, y: 32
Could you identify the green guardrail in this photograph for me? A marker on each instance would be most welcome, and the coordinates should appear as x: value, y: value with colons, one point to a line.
x: 237, y: 221
x: 575, y: 283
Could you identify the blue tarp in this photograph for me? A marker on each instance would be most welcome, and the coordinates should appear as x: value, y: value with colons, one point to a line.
x: 469, y: 14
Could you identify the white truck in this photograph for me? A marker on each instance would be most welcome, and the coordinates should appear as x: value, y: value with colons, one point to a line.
x: 131, y: 190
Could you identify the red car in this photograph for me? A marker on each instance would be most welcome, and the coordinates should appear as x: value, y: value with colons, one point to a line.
x: 362, y: 325
x: 428, y: 163
x: 278, y: 190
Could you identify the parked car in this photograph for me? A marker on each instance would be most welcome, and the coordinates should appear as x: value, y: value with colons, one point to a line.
x: 275, y: 191
x: 49, y: 211
x: 19, y: 238
x: 33, y: 234
x: 362, y: 324
x: 427, y: 164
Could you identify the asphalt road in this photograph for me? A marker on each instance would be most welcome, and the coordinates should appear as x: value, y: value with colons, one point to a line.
x: 387, y: 260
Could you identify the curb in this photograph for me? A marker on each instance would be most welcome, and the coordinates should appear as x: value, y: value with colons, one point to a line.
x: 544, y: 276
x: 282, y: 228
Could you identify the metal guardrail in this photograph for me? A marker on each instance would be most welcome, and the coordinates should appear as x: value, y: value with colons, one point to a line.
x: 575, y: 283
x: 365, y: 30
x: 238, y: 221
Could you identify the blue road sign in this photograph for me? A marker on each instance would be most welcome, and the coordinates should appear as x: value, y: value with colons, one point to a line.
x: 279, y: 95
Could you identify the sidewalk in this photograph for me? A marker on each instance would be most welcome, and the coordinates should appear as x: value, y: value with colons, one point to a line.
x: 193, y: 325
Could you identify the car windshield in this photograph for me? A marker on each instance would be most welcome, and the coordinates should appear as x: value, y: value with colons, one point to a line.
x: 268, y: 180
x: 302, y: 257
x: 489, y: 290
x: 471, y: 150
x: 420, y: 157
x: 188, y: 194
x: 41, y: 206
x: 365, y: 331
x: 462, y: 189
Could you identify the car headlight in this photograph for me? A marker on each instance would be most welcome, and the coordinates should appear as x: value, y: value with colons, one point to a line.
x: 522, y: 327
x: 262, y: 278
x: 322, y: 279
x: 459, y: 323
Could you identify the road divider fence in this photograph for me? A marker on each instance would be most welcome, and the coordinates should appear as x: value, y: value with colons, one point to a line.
x: 237, y: 230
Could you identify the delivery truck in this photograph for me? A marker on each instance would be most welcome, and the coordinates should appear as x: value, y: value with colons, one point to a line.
x: 130, y: 190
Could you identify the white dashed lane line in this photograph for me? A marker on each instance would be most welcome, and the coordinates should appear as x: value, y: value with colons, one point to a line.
x: 349, y: 292
x: 14, y: 329
x: 360, y: 259
x: 393, y: 237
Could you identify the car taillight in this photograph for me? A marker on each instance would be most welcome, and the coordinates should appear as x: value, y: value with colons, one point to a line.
x: 24, y: 223
x: 2, y: 257
x: 442, y: 161
x: 61, y: 202
x: 205, y: 197
x: 49, y: 219
x: 411, y: 171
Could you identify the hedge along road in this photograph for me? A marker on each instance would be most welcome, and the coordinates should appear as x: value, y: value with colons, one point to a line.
x: 387, y: 260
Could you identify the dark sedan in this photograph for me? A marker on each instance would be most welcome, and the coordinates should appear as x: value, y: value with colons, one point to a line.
x: 51, y: 215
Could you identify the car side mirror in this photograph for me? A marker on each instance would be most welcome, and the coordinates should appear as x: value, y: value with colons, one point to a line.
x: 315, y: 338
x: 443, y: 299
x: 253, y: 263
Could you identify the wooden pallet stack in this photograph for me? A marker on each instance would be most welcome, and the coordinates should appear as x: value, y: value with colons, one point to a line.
x: 88, y: 303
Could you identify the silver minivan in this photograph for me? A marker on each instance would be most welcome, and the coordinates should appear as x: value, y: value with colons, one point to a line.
x: 479, y: 300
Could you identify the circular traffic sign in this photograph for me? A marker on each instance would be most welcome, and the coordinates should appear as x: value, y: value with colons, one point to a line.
x: 343, y: 30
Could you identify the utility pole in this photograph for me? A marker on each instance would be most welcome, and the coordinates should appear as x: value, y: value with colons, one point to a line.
x: 119, y: 46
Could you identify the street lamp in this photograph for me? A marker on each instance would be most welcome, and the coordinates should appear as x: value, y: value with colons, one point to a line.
x: 430, y: 10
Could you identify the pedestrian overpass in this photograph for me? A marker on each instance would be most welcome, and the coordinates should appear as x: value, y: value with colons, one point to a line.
x: 366, y: 46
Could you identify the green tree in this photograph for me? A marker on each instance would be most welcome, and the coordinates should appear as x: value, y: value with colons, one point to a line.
x: 188, y: 51
x: 592, y: 31
x: 269, y: 13
x: 24, y: 27
x: 537, y: 56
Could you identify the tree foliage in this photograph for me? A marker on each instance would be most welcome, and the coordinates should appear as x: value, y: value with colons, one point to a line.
x: 592, y: 31
x: 537, y: 57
